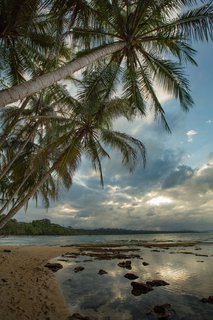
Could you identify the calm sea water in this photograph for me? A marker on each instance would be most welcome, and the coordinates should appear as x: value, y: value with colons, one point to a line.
x: 109, y: 297
x: 66, y: 240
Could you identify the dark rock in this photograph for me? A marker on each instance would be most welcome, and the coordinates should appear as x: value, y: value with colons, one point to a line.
x: 201, y: 255
x: 130, y: 276
x: 7, y: 250
x: 88, y: 260
x: 125, y: 264
x: 63, y: 260
x: 107, y: 256
x: 155, y: 250
x: 4, y: 280
x: 161, y: 308
x: 77, y: 269
x: 185, y: 252
x: 140, y: 288
x: 164, y: 317
x: 210, y: 299
x: 207, y: 300
x: 101, y: 272
x: 200, y: 261
x: 157, y: 283
x: 162, y: 311
x: 77, y: 316
x: 145, y: 263
x: 54, y: 266
x: 70, y: 255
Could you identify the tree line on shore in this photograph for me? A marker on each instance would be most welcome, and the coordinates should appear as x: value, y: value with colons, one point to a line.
x: 46, y: 227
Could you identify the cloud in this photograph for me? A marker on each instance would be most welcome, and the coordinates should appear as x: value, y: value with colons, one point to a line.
x: 190, y: 134
x: 178, y: 176
x: 166, y: 195
x: 185, y: 203
x: 160, y: 200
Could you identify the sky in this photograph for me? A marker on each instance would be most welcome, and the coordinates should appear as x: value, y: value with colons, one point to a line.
x: 173, y: 192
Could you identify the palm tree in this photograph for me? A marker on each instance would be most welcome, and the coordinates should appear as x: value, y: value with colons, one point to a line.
x: 27, y: 37
x: 70, y: 129
x: 143, y: 33
x: 123, y: 41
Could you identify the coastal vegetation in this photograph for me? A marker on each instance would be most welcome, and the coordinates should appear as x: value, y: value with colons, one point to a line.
x: 50, y: 124
x: 46, y: 227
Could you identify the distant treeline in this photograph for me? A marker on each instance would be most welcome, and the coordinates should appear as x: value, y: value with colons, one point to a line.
x: 46, y: 227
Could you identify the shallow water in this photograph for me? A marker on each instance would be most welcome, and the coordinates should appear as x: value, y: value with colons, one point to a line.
x: 109, y: 296
x: 65, y: 240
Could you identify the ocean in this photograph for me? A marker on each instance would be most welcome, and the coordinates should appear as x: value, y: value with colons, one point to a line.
x: 72, y: 240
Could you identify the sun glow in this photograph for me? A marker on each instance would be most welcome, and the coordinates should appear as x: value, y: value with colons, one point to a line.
x: 157, y: 201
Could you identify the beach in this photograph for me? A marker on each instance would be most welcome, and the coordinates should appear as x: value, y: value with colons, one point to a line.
x: 28, y: 290
x: 93, y: 283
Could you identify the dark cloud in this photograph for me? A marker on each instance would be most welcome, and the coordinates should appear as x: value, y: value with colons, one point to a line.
x: 150, y: 213
x: 160, y: 162
x: 178, y: 176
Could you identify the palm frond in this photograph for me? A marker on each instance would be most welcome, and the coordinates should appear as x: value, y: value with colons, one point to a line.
x: 169, y: 75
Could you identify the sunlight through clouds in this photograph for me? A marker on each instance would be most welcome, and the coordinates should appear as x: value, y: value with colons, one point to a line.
x: 158, y: 201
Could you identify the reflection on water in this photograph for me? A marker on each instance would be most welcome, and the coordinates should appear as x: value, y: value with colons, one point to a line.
x: 109, y: 296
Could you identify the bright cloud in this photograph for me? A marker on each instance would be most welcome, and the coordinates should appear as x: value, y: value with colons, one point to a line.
x: 158, y: 201
x: 190, y: 134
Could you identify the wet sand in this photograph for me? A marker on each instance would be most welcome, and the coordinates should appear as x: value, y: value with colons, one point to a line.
x: 28, y: 290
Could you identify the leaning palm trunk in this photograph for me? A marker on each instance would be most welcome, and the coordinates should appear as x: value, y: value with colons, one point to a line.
x: 28, y: 88
x: 27, y: 197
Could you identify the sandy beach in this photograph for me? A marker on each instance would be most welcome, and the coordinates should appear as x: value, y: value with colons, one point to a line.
x: 28, y: 290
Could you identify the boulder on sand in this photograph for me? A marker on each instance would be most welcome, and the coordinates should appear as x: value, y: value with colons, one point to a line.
x: 54, y: 266
x: 125, y: 264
